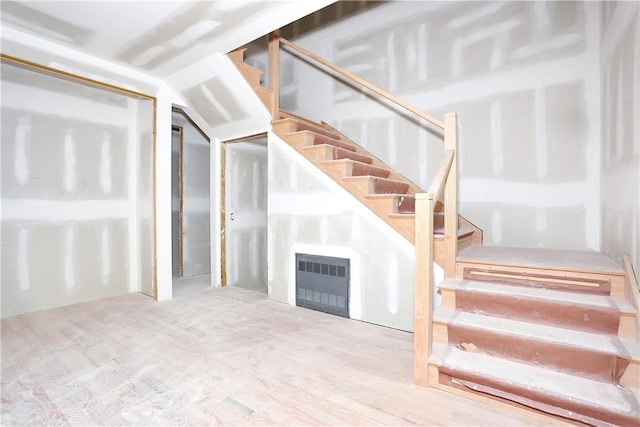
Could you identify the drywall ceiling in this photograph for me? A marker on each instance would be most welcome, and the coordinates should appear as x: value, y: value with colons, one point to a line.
x: 158, y: 37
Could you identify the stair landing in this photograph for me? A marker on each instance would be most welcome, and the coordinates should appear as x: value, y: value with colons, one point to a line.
x: 588, y: 272
x: 542, y: 258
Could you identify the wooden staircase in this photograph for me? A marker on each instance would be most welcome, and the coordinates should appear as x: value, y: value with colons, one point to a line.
x: 550, y: 331
x: 385, y: 192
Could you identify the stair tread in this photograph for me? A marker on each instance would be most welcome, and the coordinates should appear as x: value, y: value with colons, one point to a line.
x: 552, y: 259
x: 581, y: 390
x: 600, y: 343
x: 539, y: 293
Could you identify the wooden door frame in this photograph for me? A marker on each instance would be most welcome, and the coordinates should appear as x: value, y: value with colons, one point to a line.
x: 223, y: 198
x: 180, y: 131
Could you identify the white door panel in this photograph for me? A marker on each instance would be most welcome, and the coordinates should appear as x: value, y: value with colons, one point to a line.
x: 246, y: 213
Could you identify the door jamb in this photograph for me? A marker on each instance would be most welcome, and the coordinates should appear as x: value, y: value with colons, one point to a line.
x: 180, y: 130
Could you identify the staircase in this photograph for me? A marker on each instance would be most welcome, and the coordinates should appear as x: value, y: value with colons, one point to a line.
x: 552, y: 331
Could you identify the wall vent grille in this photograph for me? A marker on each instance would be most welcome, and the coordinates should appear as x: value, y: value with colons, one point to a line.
x: 322, y: 283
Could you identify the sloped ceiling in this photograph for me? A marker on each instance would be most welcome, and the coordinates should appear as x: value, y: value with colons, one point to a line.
x: 157, y: 37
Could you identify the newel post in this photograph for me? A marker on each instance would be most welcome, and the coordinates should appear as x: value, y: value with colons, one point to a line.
x: 451, y: 197
x: 274, y: 72
x: 423, y: 285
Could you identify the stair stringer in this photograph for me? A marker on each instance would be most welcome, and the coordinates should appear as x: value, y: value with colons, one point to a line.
x: 309, y: 212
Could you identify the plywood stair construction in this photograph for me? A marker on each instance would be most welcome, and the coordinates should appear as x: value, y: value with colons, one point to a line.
x: 541, y: 330
x: 550, y: 330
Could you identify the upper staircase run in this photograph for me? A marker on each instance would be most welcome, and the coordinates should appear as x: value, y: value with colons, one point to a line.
x: 385, y: 192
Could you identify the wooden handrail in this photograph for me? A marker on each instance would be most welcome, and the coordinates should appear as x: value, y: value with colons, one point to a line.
x: 362, y: 82
x: 440, y: 178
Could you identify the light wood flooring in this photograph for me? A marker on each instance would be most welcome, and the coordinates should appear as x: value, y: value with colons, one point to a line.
x: 221, y: 356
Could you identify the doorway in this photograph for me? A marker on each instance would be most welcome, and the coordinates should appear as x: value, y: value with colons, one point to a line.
x: 244, y: 213
x: 176, y: 200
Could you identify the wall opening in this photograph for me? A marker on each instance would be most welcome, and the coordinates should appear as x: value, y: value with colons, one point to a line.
x: 77, y: 194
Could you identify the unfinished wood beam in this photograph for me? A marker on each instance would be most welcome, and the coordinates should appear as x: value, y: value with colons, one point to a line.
x: 451, y: 197
x: 423, y: 285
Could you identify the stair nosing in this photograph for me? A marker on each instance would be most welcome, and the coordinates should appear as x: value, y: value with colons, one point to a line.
x: 596, y: 342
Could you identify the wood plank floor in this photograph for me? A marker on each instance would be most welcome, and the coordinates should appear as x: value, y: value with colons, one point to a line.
x: 218, y: 356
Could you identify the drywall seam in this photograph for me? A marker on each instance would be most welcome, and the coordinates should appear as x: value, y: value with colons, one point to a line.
x: 528, y: 194
x: 593, y: 155
x: 58, y: 210
x: 36, y: 49
x: 556, y: 72
x: 20, y: 98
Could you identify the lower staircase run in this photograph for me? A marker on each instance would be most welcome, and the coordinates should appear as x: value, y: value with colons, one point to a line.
x: 538, y: 330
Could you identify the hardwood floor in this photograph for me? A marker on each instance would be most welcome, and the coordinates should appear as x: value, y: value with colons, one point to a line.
x: 223, y: 356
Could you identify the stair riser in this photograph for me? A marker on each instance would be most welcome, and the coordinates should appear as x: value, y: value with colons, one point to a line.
x: 321, y: 131
x: 560, y: 356
x: 385, y: 187
x: 545, y: 312
x: 406, y: 205
x: 358, y: 169
x: 559, y: 405
x: 338, y: 154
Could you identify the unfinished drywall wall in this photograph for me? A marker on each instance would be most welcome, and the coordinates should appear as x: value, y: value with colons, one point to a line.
x: 523, y: 78
x: 309, y: 213
x: 196, y: 244
x: 620, y: 67
x: 76, y: 194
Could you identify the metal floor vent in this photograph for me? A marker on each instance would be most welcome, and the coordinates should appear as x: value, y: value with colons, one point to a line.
x: 322, y: 283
